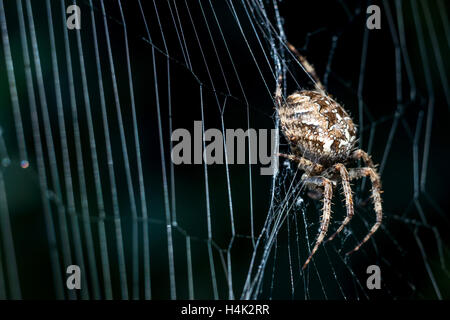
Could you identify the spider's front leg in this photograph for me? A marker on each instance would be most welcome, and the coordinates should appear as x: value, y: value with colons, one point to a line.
x: 326, y: 211
x: 304, y: 164
x: 361, y: 154
x: 376, y: 197
x: 345, y: 181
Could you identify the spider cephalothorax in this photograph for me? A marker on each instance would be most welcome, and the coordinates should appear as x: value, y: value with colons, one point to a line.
x: 322, y: 137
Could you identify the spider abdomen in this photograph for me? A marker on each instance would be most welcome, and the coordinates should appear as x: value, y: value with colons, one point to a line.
x: 317, y: 127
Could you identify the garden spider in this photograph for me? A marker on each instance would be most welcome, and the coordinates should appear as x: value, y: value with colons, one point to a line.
x: 322, y: 137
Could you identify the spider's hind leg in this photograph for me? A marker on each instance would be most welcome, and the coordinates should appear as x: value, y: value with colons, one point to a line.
x: 308, y: 67
x: 326, y: 211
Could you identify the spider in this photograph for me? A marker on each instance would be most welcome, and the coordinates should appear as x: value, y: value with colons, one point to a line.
x: 322, y: 138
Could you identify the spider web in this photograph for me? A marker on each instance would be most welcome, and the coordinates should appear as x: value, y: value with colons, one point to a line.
x: 86, y: 119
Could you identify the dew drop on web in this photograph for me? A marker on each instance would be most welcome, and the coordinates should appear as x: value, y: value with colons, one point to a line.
x: 24, y: 164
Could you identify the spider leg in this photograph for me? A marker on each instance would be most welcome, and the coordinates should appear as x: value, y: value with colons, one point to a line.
x: 361, y: 154
x: 308, y: 67
x: 328, y: 194
x: 303, y: 163
x: 376, y: 197
x: 348, y: 197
